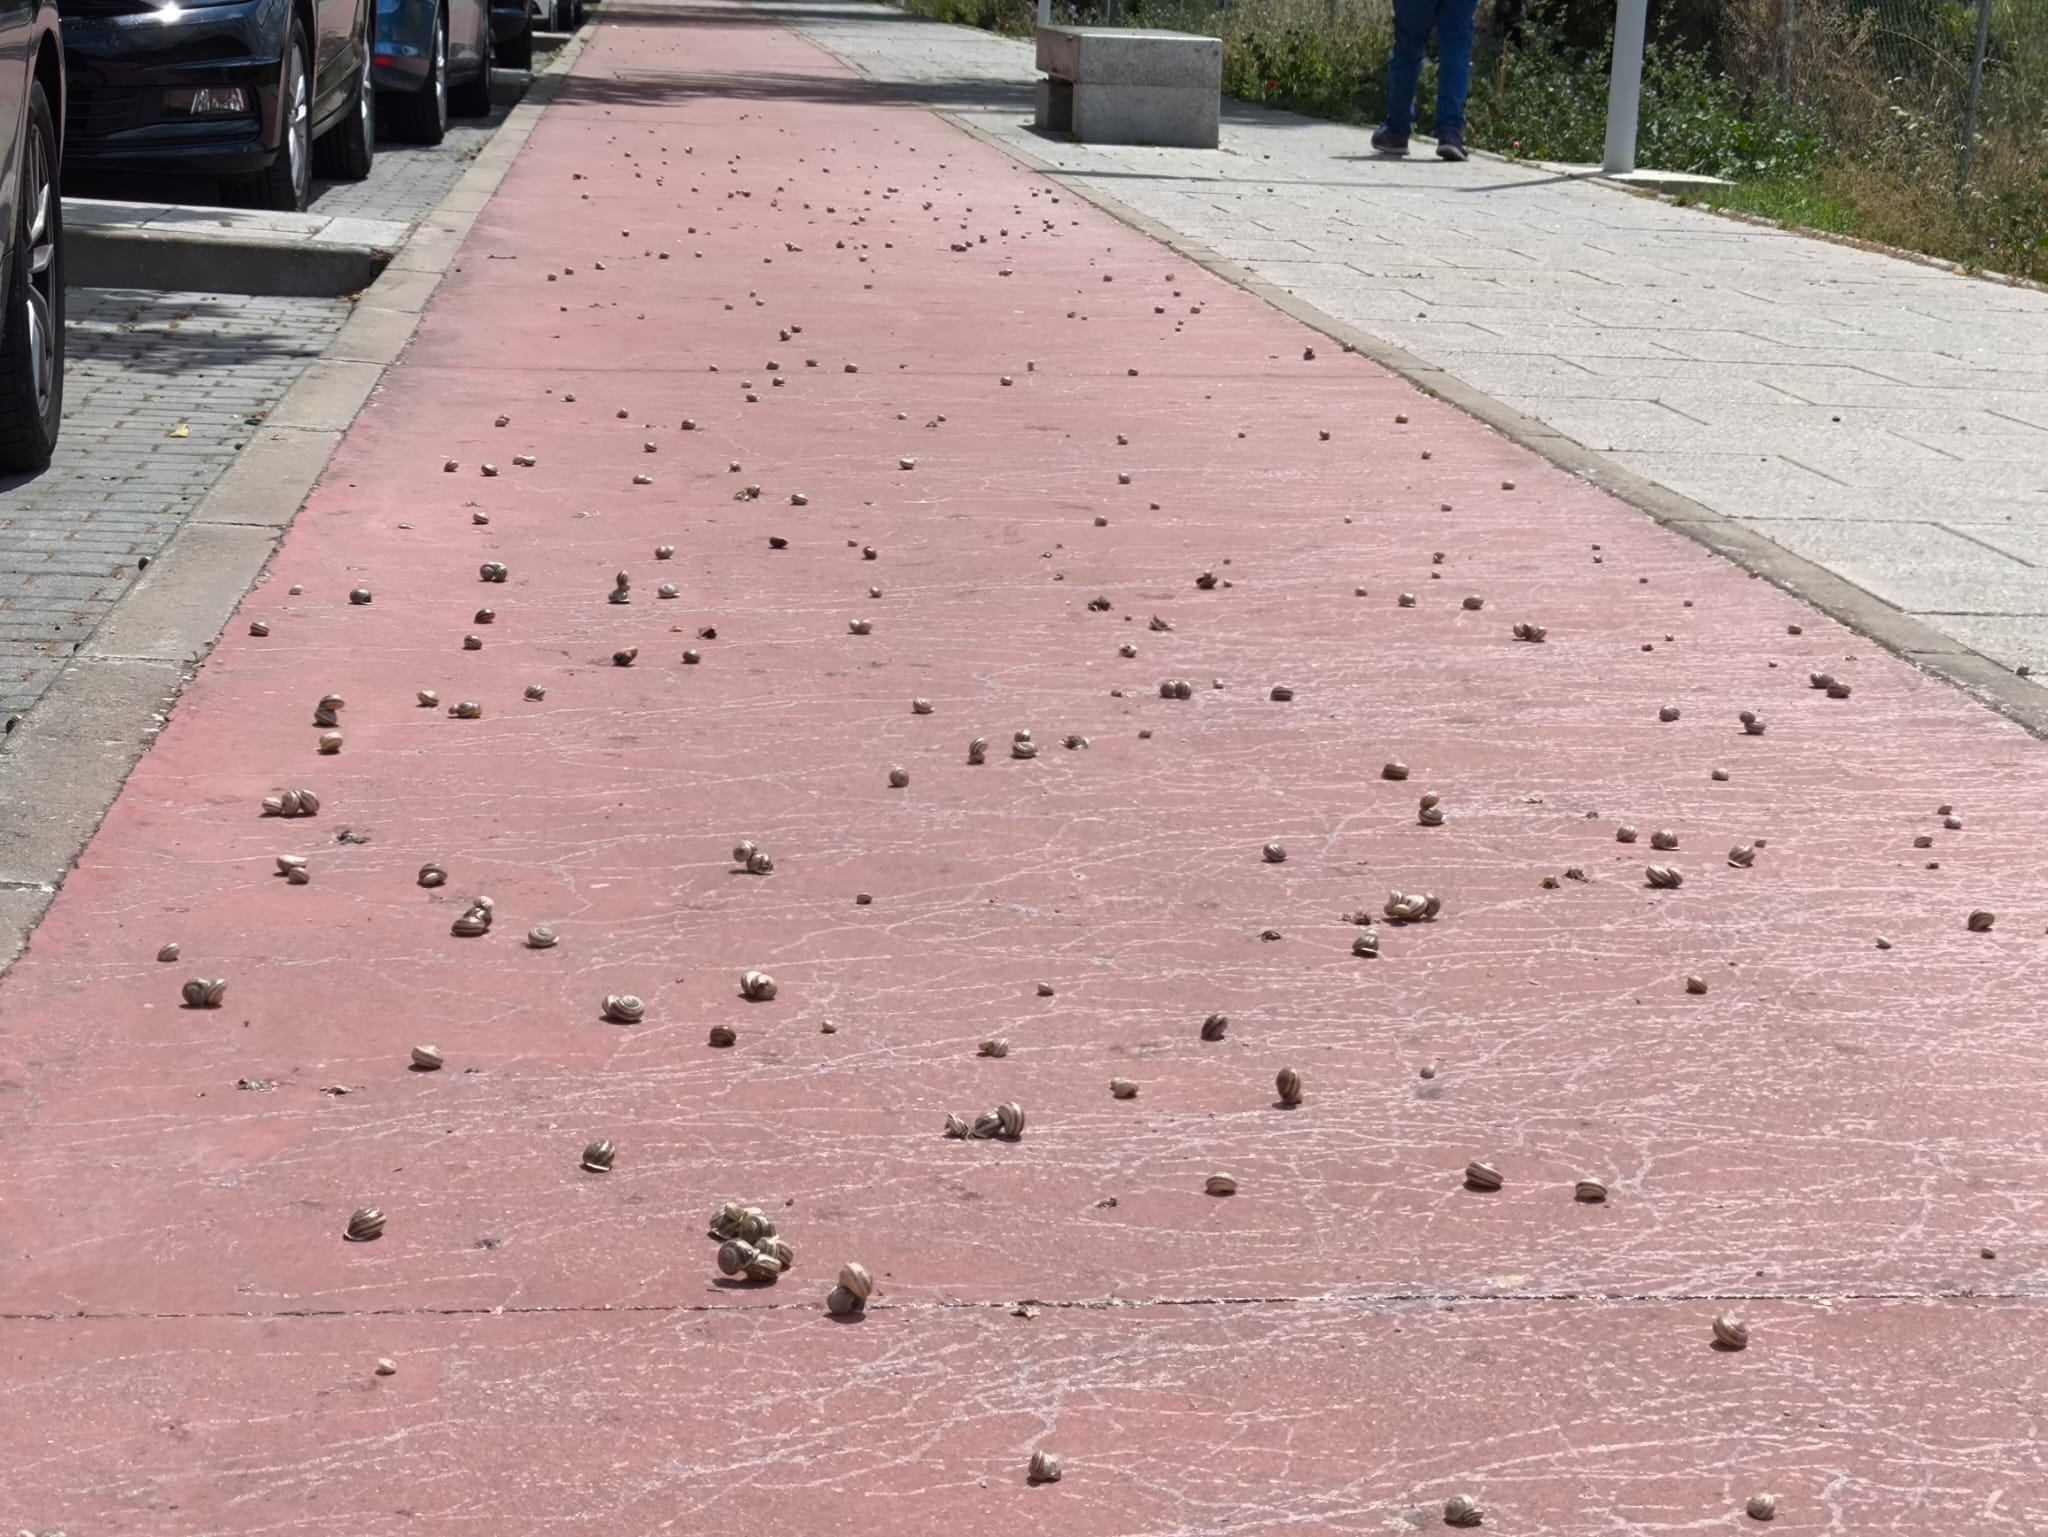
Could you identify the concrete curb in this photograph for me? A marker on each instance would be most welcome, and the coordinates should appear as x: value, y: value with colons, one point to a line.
x: 74, y: 749
x: 1988, y: 681
x: 115, y: 257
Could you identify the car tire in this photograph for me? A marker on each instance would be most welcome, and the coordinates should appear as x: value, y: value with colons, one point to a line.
x: 472, y: 98
x: 346, y: 151
x: 518, y: 52
x: 286, y: 184
x: 32, y: 349
x: 421, y: 117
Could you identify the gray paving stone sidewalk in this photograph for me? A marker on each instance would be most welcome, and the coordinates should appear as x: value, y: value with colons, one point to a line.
x: 1885, y: 419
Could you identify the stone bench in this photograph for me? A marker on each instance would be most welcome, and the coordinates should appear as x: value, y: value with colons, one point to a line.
x: 1117, y: 85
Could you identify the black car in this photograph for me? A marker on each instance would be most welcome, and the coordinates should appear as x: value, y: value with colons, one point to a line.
x: 32, y: 219
x: 512, y: 32
x: 258, y: 92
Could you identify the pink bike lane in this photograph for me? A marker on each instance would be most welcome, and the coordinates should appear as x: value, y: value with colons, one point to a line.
x: 938, y: 454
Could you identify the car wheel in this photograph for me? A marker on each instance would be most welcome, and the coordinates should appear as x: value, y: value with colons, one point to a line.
x: 32, y: 348
x: 421, y: 117
x: 518, y: 52
x: 346, y: 150
x: 287, y: 182
x: 472, y: 98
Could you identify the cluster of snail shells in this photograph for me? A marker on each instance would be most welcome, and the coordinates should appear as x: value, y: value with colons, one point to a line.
x: 1022, y: 747
x: 1752, y: 723
x: 757, y: 987
x: 748, y: 1245
x: 1664, y: 877
x: 1431, y: 812
x: 1530, y: 632
x: 291, y: 803
x: 328, y: 711
x: 1412, y: 907
x: 475, y: 920
x: 750, y: 856
x: 205, y: 992
x: 1176, y: 688
x: 1005, y: 1122
x: 851, y: 1295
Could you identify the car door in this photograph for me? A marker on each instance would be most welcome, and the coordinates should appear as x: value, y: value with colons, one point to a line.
x: 17, y: 34
x: 469, y: 23
x: 338, y: 50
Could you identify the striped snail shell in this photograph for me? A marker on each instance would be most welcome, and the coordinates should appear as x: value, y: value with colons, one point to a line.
x: 734, y: 1255
x: 1730, y: 1332
x: 466, y: 709
x: 1281, y: 694
x: 1462, y: 1510
x: 1214, y: 1026
x: 1980, y: 921
x: 169, y: 952
x: 364, y: 1224
x: 536, y: 691
x: 1431, y: 812
x: 764, y: 1267
x: 1394, y: 770
x: 427, y: 698
x: 1761, y: 1507
x: 623, y: 1009
x: 860, y: 626
x: 625, y: 656
x: 997, y: 1047
x: 841, y: 1303
x: 757, y: 987
x: 473, y: 923
x: 1624, y: 834
x: 1275, y: 854
x: 205, y: 993
x: 1406, y: 600
x: 1481, y: 1175
x: 1742, y: 856
x: 432, y: 875
x: 427, y: 1059
x: 855, y: 1278
x: 1176, y: 688
x: 1667, y: 713
x: 360, y: 596
x: 723, y: 1035
x: 1473, y: 603
x: 1044, y: 1469
x: 1009, y: 1120
x: 540, y: 937
x: 758, y: 863
x: 1590, y: 1191
x: 597, y: 1157
x: 1288, y: 1082
x: 1697, y: 986
x: 664, y: 552
x: 1024, y: 749
x: 1664, y: 839
x: 977, y: 750
x: 1530, y: 632
x: 778, y: 1249
x: 1664, y: 877
x: 1367, y: 945
x: 986, y: 1125
x: 920, y: 706
x: 956, y: 1126
x: 899, y: 778
x: 286, y: 863
x: 492, y: 571
x: 1220, y: 1184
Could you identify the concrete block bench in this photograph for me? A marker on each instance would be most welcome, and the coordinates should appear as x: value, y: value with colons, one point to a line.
x: 1117, y: 85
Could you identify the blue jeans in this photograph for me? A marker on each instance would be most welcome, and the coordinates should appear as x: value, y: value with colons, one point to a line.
x: 1413, y: 21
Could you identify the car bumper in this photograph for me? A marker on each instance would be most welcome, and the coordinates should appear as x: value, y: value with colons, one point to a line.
x: 120, y: 71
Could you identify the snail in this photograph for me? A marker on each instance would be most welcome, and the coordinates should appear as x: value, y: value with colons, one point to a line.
x: 472, y: 643
x: 723, y: 1036
x: 1473, y: 604
x: 622, y: 589
x: 1530, y: 632
x: 1820, y: 680
x: 920, y: 706
x: 1009, y: 1120
x: 1761, y: 1507
x: 899, y: 778
x: 474, y: 921
x: 1214, y: 1026
x: 205, y: 993
x: 1394, y: 770
x: 259, y: 628
x: 1462, y: 1510
x: 1589, y: 1191
x: 364, y: 1224
x: 977, y: 750
x: 1668, y: 713
x: 1431, y: 811
x: 1276, y: 854
x: 1664, y: 839
x: 1282, y: 694
x: 624, y: 1009
x: 906, y: 463
x: 1980, y: 921
x: 997, y: 1046
x: 1024, y: 749
x: 492, y: 571
x: 692, y: 658
x: 1220, y: 1184
x: 1127, y: 650
x: 536, y: 691
x: 1099, y: 605
x: 1044, y: 1469
x: 1696, y: 986
x: 956, y: 1126
x: 764, y: 1267
x: 1624, y: 834
x: 664, y: 552
x: 1752, y: 723
x: 1730, y: 1332
x: 757, y: 987
x: 428, y: 698
x: 327, y: 712
x: 597, y: 1157
x: 735, y: 1255
x: 1367, y: 945
x: 540, y: 937
x: 1123, y: 1088
x: 1158, y: 625
x: 1664, y: 877
x: 854, y: 1278
x: 466, y: 709
x: 1406, y: 600
x: 668, y: 590
x: 1176, y: 688
x: 860, y: 626
x: 1838, y: 690
x: 625, y: 656
x: 1719, y: 775
x: 1480, y: 1175
x: 286, y: 863
x: 1206, y: 581
x: 1044, y: 989
x: 330, y: 743
x: 361, y: 595
x: 169, y: 952
x: 1742, y: 856
x: 1073, y: 742
x: 291, y: 803
x: 1288, y: 1082
x: 841, y: 1303
x: 1411, y: 907
x: 427, y: 1059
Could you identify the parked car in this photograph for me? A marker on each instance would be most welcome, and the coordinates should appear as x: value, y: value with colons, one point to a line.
x: 559, y: 15
x: 433, y: 57
x: 261, y: 93
x: 32, y: 252
x: 512, y: 31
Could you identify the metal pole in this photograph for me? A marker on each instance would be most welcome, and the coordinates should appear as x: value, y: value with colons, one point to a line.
x: 1791, y: 28
x: 1625, y: 85
x: 1976, y: 84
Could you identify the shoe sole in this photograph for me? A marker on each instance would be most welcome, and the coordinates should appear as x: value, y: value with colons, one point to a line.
x: 1457, y: 155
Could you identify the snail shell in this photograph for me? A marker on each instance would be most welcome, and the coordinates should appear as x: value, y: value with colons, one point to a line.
x: 1214, y: 1026
x: 1742, y: 856
x: 668, y: 590
x: 664, y: 552
x: 854, y: 1277
x: 432, y: 875
x: 1473, y: 604
x: 744, y: 850
x: 1220, y: 1184
x: 1838, y: 690
x: 1127, y: 650
x: 1664, y: 877
x: 1624, y: 834
x: 624, y: 1009
x: 1462, y: 1510
x: 473, y: 923
x: 692, y: 658
x: 1664, y: 838
x: 466, y: 709
x: 1480, y: 1175
x: 1099, y: 605
x: 920, y: 706
x: 1009, y: 1120
x: 1406, y: 600
x: 999, y: 1046
x: 427, y: 1059
x: 285, y: 803
x: 1206, y: 581
x: 1024, y: 750
x: 1752, y: 725
x: 1123, y: 1088
x: 360, y: 596
x: 1158, y: 625
x: 899, y: 778
x: 1697, y: 986
x: 1730, y: 1332
x: 860, y: 626
x: 329, y: 707
x: 764, y: 1267
x: 624, y: 656
x: 205, y: 993
x: 597, y: 1157
x: 1276, y: 854
x: 956, y: 1126
x: 492, y: 571
x: 1044, y: 1469
x: 778, y: 1249
x: 1367, y: 945
x: 364, y: 1224
x: 1281, y: 694
x: 1980, y: 921
x: 540, y: 937
x: 1431, y: 812
x: 1591, y: 1191
x: 757, y: 987
x: 536, y: 691
x: 987, y: 1124
x: 841, y: 1303
x: 169, y: 952
x: 1288, y: 1082
x: 758, y: 863
x: 724, y: 1035
x: 1761, y: 1507
x: 1073, y: 742
x: 286, y: 863
x: 977, y: 750
x: 1176, y: 688
x: 428, y: 698
x: 734, y: 1255
x: 1044, y: 989
x: 472, y: 643
x: 1530, y: 632
x: 259, y: 628
x: 1394, y: 770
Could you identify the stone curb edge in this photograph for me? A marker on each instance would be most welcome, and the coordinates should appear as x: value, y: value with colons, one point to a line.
x: 96, y: 256
x: 63, y: 765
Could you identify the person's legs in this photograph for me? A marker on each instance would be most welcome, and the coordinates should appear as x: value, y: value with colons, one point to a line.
x: 1412, y: 21
x: 1454, y: 65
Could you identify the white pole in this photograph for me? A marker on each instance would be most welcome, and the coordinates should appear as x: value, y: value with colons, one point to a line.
x: 1045, y: 13
x: 1625, y: 85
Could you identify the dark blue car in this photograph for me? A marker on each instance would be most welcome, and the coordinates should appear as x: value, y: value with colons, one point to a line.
x: 433, y: 57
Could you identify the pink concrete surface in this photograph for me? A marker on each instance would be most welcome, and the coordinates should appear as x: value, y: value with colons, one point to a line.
x: 1834, y: 1131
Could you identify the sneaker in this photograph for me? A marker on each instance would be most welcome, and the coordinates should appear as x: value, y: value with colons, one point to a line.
x: 1388, y: 141
x: 1450, y: 145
